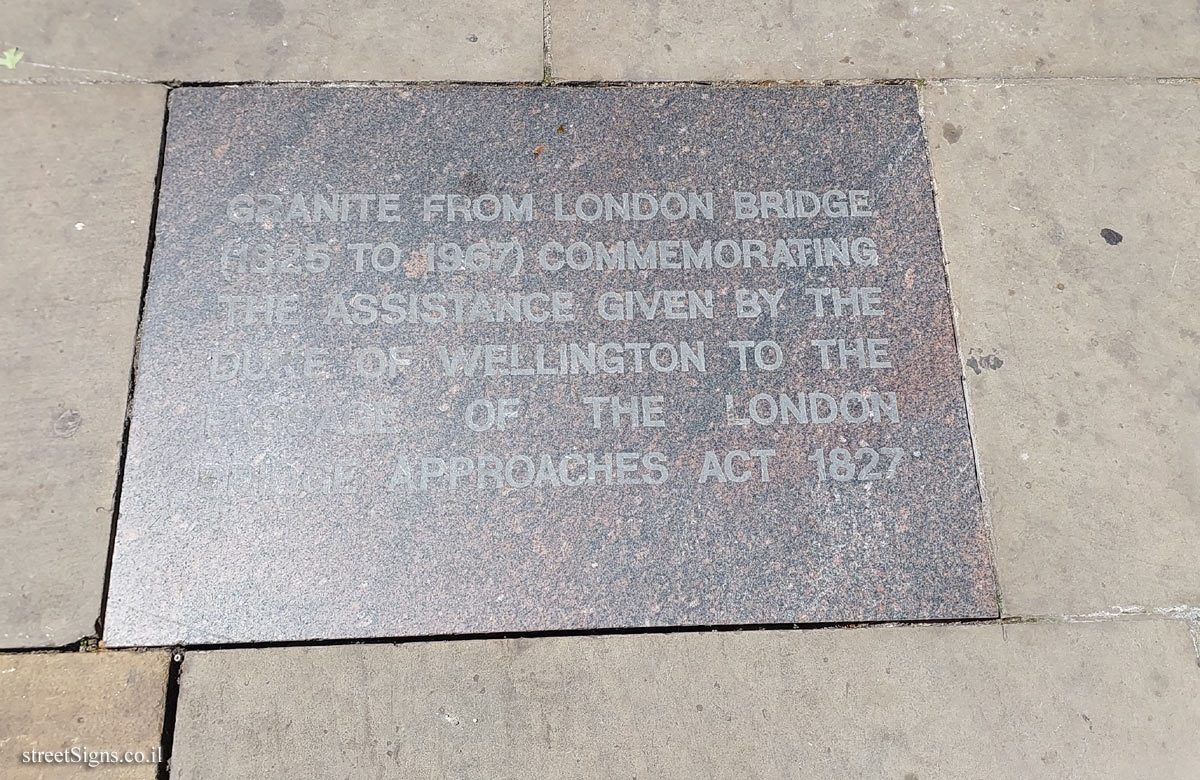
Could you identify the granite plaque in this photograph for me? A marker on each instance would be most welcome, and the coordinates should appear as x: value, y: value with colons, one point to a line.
x: 447, y: 360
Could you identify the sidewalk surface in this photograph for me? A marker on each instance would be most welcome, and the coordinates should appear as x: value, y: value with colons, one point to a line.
x: 1064, y: 141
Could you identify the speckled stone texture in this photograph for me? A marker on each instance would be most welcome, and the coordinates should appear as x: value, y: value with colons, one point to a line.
x: 293, y: 506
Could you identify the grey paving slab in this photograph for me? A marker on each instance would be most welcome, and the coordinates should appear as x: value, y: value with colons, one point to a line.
x: 1077, y: 701
x: 79, y: 166
x: 274, y: 40
x: 870, y: 39
x: 787, y: 444
x: 93, y: 712
x: 1072, y: 252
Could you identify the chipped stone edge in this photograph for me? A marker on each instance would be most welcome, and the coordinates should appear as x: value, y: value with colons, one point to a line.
x: 1188, y: 615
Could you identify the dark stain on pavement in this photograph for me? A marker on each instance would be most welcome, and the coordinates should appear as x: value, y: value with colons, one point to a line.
x: 978, y: 363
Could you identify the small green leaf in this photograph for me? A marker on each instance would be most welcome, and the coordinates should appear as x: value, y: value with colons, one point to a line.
x: 12, y: 57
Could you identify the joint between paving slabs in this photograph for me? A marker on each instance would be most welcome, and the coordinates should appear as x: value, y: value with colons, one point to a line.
x: 1189, y: 615
x: 985, y: 504
x: 548, y: 79
x: 137, y: 333
x: 170, y: 707
x: 87, y: 644
x: 547, y: 76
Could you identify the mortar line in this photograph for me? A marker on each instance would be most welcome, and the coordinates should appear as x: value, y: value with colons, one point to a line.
x: 547, y: 76
x: 78, y: 646
x: 1194, y: 632
x: 137, y: 340
x: 546, y: 81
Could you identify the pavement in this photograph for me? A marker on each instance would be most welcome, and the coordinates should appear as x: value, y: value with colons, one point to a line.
x: 1065, y: 148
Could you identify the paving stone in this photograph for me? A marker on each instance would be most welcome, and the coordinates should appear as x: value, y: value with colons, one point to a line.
x: 79, y: 166
x: 274, y: 40
x: 783, y: 40
x: 1031, y: 700
x: 81, y: 704
x: 1067, y: 212
x: 722, y: 509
